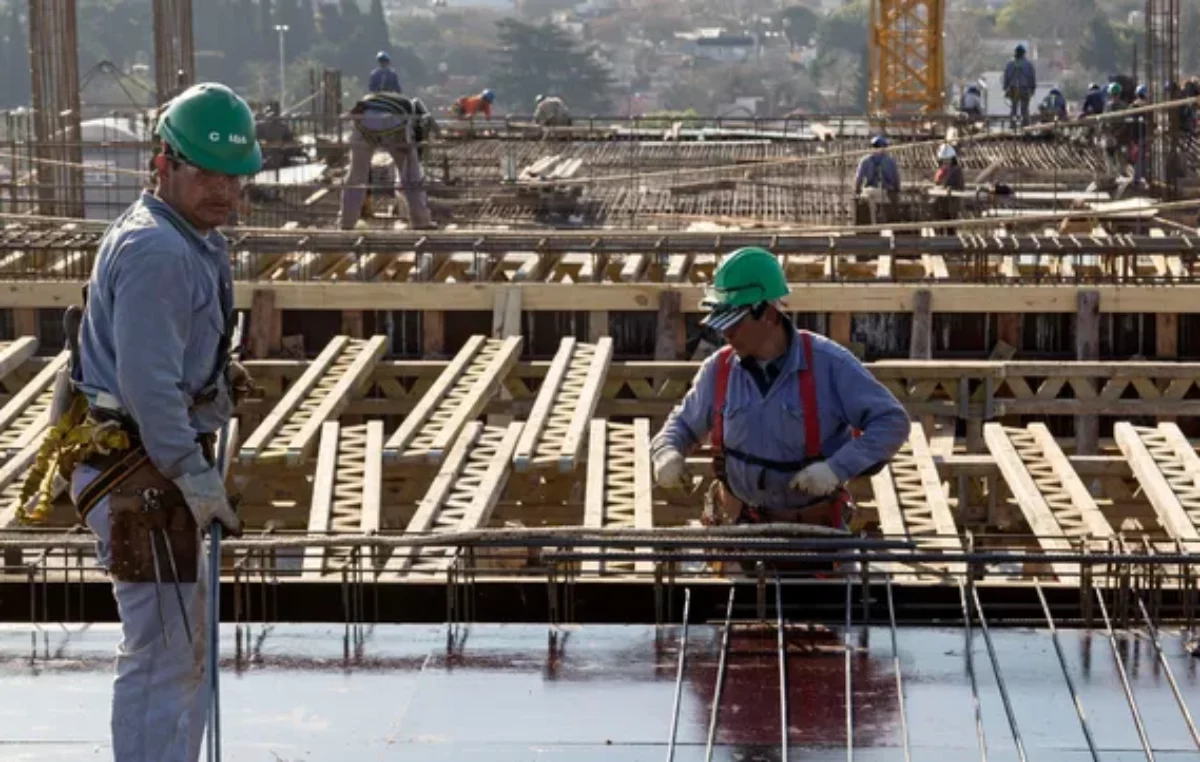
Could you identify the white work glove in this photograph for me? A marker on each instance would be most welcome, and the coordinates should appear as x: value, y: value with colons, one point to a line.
x: 206, y: 497
x: 669, y: 469
x: 817, y: 480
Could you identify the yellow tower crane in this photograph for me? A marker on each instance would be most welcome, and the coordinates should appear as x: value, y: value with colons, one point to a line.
x: 905, y: 49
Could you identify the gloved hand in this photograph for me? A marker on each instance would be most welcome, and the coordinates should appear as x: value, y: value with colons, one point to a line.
x: 669, y: 469
x: 206, y: 497
x: 241, y: 383
x: 817, y: 480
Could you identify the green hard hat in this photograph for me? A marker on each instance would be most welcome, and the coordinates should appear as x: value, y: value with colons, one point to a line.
x: 1114, y: 88
x: 746, y: 278
x: 210, y: 126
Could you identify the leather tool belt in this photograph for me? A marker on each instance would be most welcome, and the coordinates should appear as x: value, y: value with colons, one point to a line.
x: 721, y: 507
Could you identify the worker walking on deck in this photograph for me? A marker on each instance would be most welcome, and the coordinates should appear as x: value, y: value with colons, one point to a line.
x: 468, y: 106
x: 877, y: 181
x: 383, y: 77
x: 793, y: 416
x: 551, y: 112
x: 397, y: 124
x: 152, y: 383
x: 1020, y: 82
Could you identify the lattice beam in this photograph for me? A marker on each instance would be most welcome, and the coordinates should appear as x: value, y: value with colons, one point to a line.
x: 474, y: 376
x: 346, y: 492
x: 27, y: 414
x: 905, y: 56
x: 912, y: 502
x: 462, y: 496
x: 1053, y: 498
x: 340, y: 373
x: 1166, y: 466
x: 554, y: 433
x: 618, y: 490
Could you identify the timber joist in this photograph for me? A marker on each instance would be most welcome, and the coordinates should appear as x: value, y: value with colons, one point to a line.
x: 341, y: 372
x: 1168, y: 470
x: 463, y: 496
x: 618, y: 493
x: 469, y: 382
x: 1054, y: 500
x: 346, y: 495
x: 555, y: 431
x: 912, y: 503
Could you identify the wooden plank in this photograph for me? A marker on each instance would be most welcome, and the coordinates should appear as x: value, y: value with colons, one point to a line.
x: 15, y: 353
x: 1162, y: 497
x: 32, y: 390
x: 372, y: 500
x: 589, y: 400
x: 357, y: 376
x: 1097, y: 525
x: 540, y: 412
x: 321, y: 508
x: 483, y: 390
x: 491, y: 486
x: 295, y: 395
x: 593, y: 499
x: 433, y: 397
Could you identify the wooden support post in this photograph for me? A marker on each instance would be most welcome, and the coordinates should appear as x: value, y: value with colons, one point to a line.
x: 352, y: 323
x: 1166, y: 347
x: 921, y: 343
x: 506, y: 323
x: 597, y: 325
x: 433, y: 334
x: 25, y: 322
x: 839, y: 327
x: 1008, y: 331
x: 671, y: 340
x: 266, y: 325
x: 1087, y: 348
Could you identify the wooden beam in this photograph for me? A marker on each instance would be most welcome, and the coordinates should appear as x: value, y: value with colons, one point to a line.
x: 433, y: 333
x: 321, y: 508
x: 671, y: 339
x: 921, y: 343
x: 265, y: 336
x: 1168, y: 470
x: 15, y: 353
x: 1087, y: 347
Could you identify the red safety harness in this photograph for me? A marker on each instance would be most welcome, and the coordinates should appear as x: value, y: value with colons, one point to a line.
x: 812, y: 424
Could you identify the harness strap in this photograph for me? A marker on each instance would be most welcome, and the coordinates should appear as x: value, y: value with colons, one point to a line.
x: 111, y: 478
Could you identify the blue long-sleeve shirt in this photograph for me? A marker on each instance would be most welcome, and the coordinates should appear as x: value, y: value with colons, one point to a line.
x: 771, y: 426
x: 152, y: 329
x: 877, y: 170
x: 1019, y: 75
x: 384, y: 80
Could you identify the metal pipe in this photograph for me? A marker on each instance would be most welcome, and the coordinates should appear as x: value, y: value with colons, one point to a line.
x: 1062, y: 662
x: 683, y: 641
x: 1133, y: 707
x: 962, y: 591
x: 1162, y: 658
x: 991, y: 649
x: 720, y: 686
x: 849, y: 679
x: 783, y: 702
x: 896, y: 665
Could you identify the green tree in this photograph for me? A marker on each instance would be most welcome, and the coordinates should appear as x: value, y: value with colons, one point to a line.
x: 1100, y: 48
x: 544, y: 59
x: 799, y: 24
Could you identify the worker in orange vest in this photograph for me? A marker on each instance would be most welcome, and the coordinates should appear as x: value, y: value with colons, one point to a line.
x: 468, y: 106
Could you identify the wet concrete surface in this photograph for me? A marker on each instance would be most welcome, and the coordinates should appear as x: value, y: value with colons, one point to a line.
x: 605, y: 693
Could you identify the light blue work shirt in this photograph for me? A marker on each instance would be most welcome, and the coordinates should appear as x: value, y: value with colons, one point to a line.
x: 152, y: 329
x: 877, y: 170
x: 1019, y: 75
x: 771, y: 427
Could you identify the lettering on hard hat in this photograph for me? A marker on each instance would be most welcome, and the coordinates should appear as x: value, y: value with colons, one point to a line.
x: 239, y: 139
x: 214, y: 137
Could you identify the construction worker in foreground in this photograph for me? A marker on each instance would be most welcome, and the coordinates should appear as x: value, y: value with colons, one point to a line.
x: 793, y: 416
x: 1020, y: 82
x: 877, y: 181
x: 398, y: 124
x: 551, y: 112
x: 383, y: 77
x: 152, y: 384
x: 468, y: 106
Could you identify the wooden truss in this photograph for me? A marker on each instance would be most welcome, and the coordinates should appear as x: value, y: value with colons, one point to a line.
x: 346, y: 492
x: 618, y: 486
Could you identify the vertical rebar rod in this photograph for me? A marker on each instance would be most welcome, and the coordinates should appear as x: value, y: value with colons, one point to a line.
x: 991, y: 649
x: 849, y: 678
x: 1133, y: 707
x: 783, y: 703
x: 683, y: 640
x: 1162, y: 658
x: 720, y: 686
x: 971, y: 673
x: 896, y: 665
x: 1062, y: 661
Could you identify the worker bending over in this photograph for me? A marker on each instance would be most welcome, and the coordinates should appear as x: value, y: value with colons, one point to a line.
x: 397, y: 124
x: 971, y: 103
x: 783, y: 408
x: 1053, y: 107
x: 877, y: 181
x: 551, y: 112
x: 152, y: 382
x: 468, y: 106
x: 1020, y: 82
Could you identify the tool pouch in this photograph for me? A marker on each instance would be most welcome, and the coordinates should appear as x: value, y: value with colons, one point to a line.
x: 148, y: 508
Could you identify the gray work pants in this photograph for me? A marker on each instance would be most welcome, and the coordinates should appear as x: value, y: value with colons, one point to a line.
x: 409, y: 177
x: 1019, y: 104
x: 161, y: 692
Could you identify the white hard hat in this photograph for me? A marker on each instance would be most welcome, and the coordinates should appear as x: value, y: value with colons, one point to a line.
x: 946, y: 151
